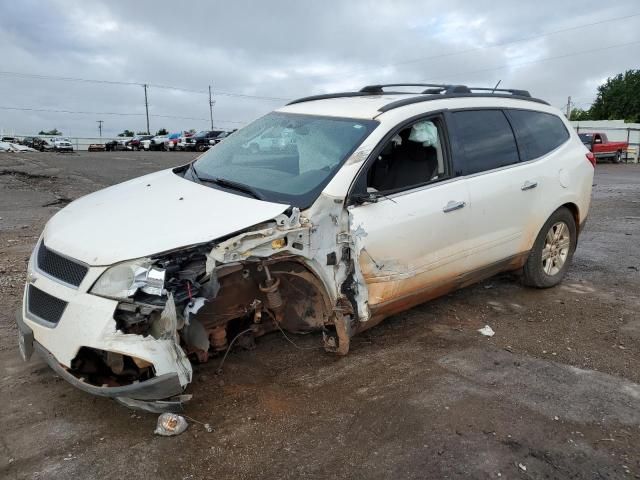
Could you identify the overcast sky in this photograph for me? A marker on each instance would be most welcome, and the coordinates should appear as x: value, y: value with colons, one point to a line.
x: 288, y: 49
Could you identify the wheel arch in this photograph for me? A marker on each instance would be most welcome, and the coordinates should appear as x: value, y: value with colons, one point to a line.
x: 575, y: 211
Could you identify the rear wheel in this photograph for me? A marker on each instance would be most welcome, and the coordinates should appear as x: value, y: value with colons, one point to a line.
x: 200, y: 148
x: 618, y: 157
x: 552, y: 251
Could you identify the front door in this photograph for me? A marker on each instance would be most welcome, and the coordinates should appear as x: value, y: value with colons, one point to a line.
x: 411, y: 231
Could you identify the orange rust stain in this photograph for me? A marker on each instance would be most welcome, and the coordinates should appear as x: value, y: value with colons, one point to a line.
x: 422, y: 288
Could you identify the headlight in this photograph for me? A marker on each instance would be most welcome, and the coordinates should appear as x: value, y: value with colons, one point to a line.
x: 124, y: 280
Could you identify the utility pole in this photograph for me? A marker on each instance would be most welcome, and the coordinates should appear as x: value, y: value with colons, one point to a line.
x: 100, y: 122
x: 211, y: 104
x: 146, y: 107
x: 569, y: 106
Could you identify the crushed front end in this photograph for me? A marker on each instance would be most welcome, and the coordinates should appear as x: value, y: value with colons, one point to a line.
x: 131, y: 331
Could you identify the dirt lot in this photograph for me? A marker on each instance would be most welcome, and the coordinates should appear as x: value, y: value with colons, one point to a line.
x: 554, y: 394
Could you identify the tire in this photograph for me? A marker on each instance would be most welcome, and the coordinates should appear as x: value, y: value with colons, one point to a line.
x: 558, y: 243
x: 618, y: 157
x: 200, y: 148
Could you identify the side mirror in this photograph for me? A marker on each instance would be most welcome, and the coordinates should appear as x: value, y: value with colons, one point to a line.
x: 361, y: 198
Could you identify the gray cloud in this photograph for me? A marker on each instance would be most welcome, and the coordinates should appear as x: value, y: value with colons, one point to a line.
x: 289, y: 49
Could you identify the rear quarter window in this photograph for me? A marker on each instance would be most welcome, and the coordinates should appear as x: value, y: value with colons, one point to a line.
x: 538, y: 133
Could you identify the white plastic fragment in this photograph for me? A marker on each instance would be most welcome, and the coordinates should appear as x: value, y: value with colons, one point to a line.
x: 170, y: 424
x: 522, y: 467
x: 487, y: 331
x: 193, y: 307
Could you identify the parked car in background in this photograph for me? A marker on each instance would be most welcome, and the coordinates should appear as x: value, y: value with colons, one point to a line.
x: 96, y: 147
x: 145, y: 144
x: 277, y: 139
x: 182, y: 141
x: 379, y: 201
x: 116, y: 145
x: 200, y: 141
x: 9, y: 139
x: 172, y: 141
x: 45, y: 144
x: 134, y: 143
x: 219, y: 138
x: 28, y: 142
x: 62, y: 145
x: 157, y: 142
x: 602, y: 148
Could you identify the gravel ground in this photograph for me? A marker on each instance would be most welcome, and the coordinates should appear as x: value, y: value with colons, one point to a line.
x: 554, y: 394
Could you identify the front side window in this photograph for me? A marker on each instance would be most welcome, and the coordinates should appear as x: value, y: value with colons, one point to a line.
x: 414, y: 156
x: 487, y: 139
x: 538, y: 132
x: 283, y: 157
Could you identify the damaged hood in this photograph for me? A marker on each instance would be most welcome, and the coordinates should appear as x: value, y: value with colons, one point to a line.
x: 148, y: 215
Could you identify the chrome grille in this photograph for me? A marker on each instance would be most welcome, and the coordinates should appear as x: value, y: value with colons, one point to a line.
x: 60, y: 267
x: 44, y: 306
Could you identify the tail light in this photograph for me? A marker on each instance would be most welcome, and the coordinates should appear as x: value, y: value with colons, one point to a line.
x: 592, y: 158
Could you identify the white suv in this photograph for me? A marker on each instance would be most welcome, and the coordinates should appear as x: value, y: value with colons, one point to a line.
x: 383, y: 200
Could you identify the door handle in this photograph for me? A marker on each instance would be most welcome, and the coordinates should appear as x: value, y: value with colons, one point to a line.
x: 453, y: 205
x: 528, y: 185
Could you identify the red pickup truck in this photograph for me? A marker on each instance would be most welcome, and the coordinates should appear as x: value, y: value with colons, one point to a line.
x: 602, y: 148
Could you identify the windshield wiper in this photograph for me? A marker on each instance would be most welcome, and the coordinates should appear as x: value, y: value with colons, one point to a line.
x: 223, y: 182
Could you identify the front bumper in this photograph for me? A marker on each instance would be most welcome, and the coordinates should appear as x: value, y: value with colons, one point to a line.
x: 162, y: 386
x: 87, y: 321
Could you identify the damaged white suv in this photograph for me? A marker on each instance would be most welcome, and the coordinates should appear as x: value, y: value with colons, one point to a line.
x: 362, y: 205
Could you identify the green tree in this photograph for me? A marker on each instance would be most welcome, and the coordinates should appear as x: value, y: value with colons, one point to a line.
x: 162, y: 131
x: 579, y: 114
x: 618, y: 98
x: 55, y: 131
x: 142, y: 133
x: 126, y: 133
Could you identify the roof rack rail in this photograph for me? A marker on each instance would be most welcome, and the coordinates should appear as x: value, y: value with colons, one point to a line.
x: 324, y: 96
x: 425, y: 98
x: 432, y: 92
x: 434, y: 88
x: 519, y: 93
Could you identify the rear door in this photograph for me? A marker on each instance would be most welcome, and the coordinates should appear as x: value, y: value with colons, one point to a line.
x: 502, y: 190
x: 543, y: 140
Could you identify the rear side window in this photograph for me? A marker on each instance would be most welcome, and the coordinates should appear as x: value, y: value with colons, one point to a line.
x: 487, y: 138
x: 538, y: 132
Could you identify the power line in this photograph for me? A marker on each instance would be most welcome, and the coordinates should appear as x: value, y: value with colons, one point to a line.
x: 121, y: 114
x: 501, y: 44
x: 546, y: 59
x: 118, y: 82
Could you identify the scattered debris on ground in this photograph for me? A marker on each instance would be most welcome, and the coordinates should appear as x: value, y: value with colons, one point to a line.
x: 170, y: 425
x: 487, y: 331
